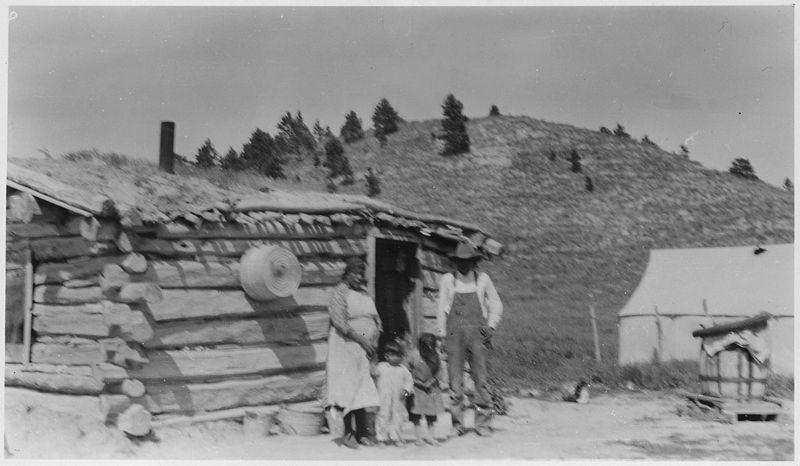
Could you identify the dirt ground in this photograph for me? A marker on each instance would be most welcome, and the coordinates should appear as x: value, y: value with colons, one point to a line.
x: 630, y: 425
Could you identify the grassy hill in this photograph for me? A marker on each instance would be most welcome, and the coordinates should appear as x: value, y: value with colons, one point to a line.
x: 567, y: 248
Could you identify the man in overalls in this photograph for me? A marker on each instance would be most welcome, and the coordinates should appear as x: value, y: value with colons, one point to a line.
x: 469, y: 309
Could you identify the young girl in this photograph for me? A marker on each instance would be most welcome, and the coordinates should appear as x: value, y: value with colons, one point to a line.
x: 394, y: 385
x: 426, y: 370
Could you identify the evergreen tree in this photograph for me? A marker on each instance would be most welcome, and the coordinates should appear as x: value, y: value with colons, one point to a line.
x: 230, y: 161
x: 742, y: 168
x: 575, y: 159
x: 293, y: 136
x: 335, y: 160
x: 373, y: 183
x: 351, y: 130
x: 684, y: 151
x: 381, y: 136
x: 788, y: 185
x: 648, y: 141
x: 589, y: 184
x: 620, y: 132
x: 456, y: 139
x: 262, y: 155
x: 330, y: 185
x: 384, y: 118
x: 206, y: 155
x: 494, y: 111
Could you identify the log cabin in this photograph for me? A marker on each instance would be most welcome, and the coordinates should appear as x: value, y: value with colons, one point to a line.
x: 124, y: 286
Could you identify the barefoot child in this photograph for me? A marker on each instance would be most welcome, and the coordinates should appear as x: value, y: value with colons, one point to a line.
x: 394, y: 386
x: 426, y: 369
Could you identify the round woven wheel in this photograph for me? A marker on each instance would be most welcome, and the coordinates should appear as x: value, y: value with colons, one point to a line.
x: 269, y: 272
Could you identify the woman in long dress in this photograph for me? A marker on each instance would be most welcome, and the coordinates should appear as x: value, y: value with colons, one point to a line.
x: 352, y: 344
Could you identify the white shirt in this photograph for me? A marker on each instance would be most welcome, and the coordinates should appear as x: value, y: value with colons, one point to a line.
x: 491, y: 306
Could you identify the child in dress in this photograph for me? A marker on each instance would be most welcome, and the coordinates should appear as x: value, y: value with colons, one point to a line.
x: 426, y: 370
x: 394, y: 386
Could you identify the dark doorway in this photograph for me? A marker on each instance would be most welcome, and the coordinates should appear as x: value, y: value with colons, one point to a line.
x: 397, y: 273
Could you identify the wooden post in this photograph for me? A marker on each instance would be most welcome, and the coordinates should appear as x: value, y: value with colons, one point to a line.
x: 26, y: 325
x: 371, y: 263
x: 166, y: 155
x: 660, y: 333
x: 593, y: 319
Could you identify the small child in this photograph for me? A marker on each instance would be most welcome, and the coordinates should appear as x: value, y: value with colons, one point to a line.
x: 394, y: 386
x: 426, y: 370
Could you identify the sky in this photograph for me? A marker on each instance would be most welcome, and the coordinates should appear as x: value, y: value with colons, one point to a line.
x: 719, y: 79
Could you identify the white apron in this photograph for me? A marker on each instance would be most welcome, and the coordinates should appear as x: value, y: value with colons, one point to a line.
x: 349, y: 383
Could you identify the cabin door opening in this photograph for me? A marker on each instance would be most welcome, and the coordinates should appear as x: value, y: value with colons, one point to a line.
x: 397, y: 288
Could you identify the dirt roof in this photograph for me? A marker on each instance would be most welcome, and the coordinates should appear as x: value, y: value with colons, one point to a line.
x: 137, y: 193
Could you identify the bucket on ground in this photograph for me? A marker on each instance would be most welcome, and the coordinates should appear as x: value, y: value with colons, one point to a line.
x: 301, y: 420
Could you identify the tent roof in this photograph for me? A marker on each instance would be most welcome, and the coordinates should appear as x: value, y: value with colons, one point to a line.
x: 733, y: 281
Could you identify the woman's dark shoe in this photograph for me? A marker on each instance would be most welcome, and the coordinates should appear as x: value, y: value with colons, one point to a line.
x: 350, y: 441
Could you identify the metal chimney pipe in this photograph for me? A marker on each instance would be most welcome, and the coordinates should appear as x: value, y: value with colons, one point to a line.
x: 166, y: 155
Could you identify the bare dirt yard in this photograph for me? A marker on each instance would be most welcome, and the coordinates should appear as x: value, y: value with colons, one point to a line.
x: 628, y: 425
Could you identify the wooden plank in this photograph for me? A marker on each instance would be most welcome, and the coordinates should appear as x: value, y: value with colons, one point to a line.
x: 82, y: 351
x: 199, y: 397
x: 59, y: 272
x: 213, y: 274
x: 94, y: 320
x: 48, y: 188
x: 53, y: 249
x: 237, y: 247
x: 263, y: 230
x: 54, y: 294
x: 284, y: 329
x: 63, y: 379
x: 76, y: 352
x: 41, y: 230
x: 195, y: 304
x: 222, y: 363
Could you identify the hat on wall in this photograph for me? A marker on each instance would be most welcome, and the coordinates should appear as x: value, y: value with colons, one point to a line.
x: 466, y: 250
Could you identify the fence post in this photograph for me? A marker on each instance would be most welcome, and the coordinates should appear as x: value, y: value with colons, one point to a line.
x: 593, y: 319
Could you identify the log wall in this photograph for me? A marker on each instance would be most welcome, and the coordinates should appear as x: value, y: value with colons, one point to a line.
x: 162, y: 308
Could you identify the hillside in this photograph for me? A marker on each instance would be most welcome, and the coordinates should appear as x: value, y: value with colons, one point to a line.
x: 562, y: 241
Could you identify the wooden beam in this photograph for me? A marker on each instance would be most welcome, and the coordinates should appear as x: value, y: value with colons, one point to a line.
x: 283, y: 329
x: 223, y: 363
x: 236, y: 248
x: 196, y: 304
x: 200, y: 397
x: 54, y: 249
x: 78, y: 380
x: 26, y: 325
x: 103, y: 319
x: 55, y: 192
x: 60, y: 272
x: 262, y: 230
x: 47, y: 294
x: 217, y: 275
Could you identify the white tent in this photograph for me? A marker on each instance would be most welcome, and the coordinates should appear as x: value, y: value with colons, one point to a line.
x: 683, y: 289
